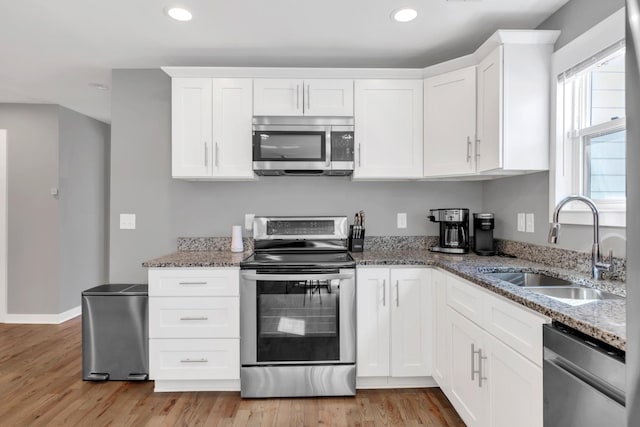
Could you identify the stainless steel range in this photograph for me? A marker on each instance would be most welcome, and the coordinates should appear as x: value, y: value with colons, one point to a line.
x: 297, y: 309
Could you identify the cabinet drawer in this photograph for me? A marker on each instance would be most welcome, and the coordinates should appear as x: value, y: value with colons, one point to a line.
x: 516, y: 326
x: 465, y: 298
x: 194, y: 317
x: 194, y: 282
x: 193, y: 359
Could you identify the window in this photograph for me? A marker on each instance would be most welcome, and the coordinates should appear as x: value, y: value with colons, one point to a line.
x: 591, y: 102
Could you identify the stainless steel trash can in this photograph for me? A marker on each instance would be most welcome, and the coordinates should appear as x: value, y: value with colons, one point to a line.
x: 115, y: 332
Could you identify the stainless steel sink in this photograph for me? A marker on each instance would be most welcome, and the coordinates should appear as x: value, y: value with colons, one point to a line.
x: 576, y: 293
x: 529, y: 279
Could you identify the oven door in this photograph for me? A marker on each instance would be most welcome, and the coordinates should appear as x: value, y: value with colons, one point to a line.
x: 282, y: 147
x: 297, y: 318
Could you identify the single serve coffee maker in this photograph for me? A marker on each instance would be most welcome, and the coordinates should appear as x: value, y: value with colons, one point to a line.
x: 483, y: 224
x: 454, y: 230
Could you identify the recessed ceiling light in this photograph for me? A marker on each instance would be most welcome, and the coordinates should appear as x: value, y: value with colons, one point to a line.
x: 404, y: 15
x: 99, y: 86
x: 179, y: 14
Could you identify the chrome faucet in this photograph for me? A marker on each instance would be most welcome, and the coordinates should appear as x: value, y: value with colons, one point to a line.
x: 597, y: 263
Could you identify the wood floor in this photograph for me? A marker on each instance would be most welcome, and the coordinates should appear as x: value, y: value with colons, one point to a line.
x: 41, y: 385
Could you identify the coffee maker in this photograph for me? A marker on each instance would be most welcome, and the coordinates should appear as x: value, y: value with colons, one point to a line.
x: 483, y: 224
x: 454, y: 230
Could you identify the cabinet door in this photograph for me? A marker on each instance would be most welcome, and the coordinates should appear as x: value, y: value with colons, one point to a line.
x: 277, y: 97
x: 442, y: 341
x: 450, y: 123
x: 490, y: 92
x: 191, y: 128
x: 411, y: 322
x: 467, y: 397
x: 328, y: 97
x: 373, y: 304
x: 515, y: 387
x: 232, y: 114
x: 388, y: 129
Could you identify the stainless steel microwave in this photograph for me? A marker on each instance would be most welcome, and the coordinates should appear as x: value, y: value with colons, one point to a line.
x: 303, y: 145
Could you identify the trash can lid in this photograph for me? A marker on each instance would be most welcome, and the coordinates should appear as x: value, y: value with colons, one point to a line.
x: 116, y: 289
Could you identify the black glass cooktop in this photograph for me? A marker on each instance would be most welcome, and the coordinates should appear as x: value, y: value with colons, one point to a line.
x: 298, y: 259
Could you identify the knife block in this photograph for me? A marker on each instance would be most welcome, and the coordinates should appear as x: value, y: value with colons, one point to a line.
x: 356, y: 244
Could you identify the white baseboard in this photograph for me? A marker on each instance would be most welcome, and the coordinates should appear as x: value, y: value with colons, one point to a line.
x: 54, y: 319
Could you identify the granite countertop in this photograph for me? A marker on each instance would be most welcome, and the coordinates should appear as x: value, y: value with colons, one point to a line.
x: 604, y: 319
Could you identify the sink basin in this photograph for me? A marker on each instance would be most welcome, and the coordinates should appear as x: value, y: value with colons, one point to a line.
x: 529, y: 279
x: 576, y: 293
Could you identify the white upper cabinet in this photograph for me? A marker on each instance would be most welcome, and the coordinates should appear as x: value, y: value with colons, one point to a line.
x: 388, y: 129
x: 191, y: 121
x: 232, y: 132
x: 513, y: 108
x: 297, y: 97
x: 450, y: 123
x: 211, y: 128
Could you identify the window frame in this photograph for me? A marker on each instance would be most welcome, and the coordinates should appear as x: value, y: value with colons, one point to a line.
x: 562, y: 179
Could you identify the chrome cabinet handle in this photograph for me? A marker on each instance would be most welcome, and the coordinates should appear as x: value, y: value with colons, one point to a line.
x: 384, y: 293
x: 216, y: 153
x: 206, y: 152
x: 192, y: 283
x: 477, y: 147
x: 397, y: 293
x: 297, y: 97
x: 359, y: 155
x: 468, y: 149
x: 481, y: 377
x: 308, y: 97
x: 195, y: 318
x: 473, y: 365
x: 202, y: 360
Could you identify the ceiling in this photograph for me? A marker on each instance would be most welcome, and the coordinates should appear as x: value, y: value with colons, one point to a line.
x: 53, y: 51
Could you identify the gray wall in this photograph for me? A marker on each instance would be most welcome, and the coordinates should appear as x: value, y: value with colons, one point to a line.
x: 577, y: 16
x: 84, y: 148
x: 530, y: 193
x: 57, y: 245
x: 141, y: 183
x: 32, y: 163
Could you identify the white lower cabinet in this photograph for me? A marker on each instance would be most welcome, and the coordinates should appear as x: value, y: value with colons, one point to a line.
x: 394, y: 327
x: 494, y: 380
x: 194, y: 332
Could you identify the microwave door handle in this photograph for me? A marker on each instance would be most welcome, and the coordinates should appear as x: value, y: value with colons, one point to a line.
x: 296, y: 277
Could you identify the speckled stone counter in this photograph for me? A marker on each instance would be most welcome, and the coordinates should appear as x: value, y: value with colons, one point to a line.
x: 604, y: 319
x: 183, y: 259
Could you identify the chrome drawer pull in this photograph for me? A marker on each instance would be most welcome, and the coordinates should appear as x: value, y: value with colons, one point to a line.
x: 192, y: 283
x: 203, y: 360
x: 195, y: 318
x: 384, y: 293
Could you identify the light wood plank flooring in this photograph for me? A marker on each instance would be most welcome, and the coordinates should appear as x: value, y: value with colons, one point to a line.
x: 41, y: 385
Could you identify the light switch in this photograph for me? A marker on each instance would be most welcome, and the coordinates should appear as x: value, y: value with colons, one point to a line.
x: 530, y: 221
x: 521, y: 222
x: 248, y: 221
x: 402, y: 220
x: 127, y: 221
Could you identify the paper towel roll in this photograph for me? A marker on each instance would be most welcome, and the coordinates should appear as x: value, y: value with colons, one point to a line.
x: 236, y: 239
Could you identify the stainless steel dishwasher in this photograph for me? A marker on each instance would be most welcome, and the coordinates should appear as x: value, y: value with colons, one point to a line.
x: 584, y: 380
x: 115, y: 337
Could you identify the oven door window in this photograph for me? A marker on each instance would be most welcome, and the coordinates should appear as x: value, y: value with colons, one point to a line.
x: 298, y: 321
x: 288, y: 146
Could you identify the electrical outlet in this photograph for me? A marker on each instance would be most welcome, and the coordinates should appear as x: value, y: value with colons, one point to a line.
x: 127, y: 221
x: 521, y: 222
x: 530, y: 221
x: 402, y: 220
x: 248, y: 221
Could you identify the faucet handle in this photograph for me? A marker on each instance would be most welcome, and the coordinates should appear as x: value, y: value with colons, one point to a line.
x: 610, y: 260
